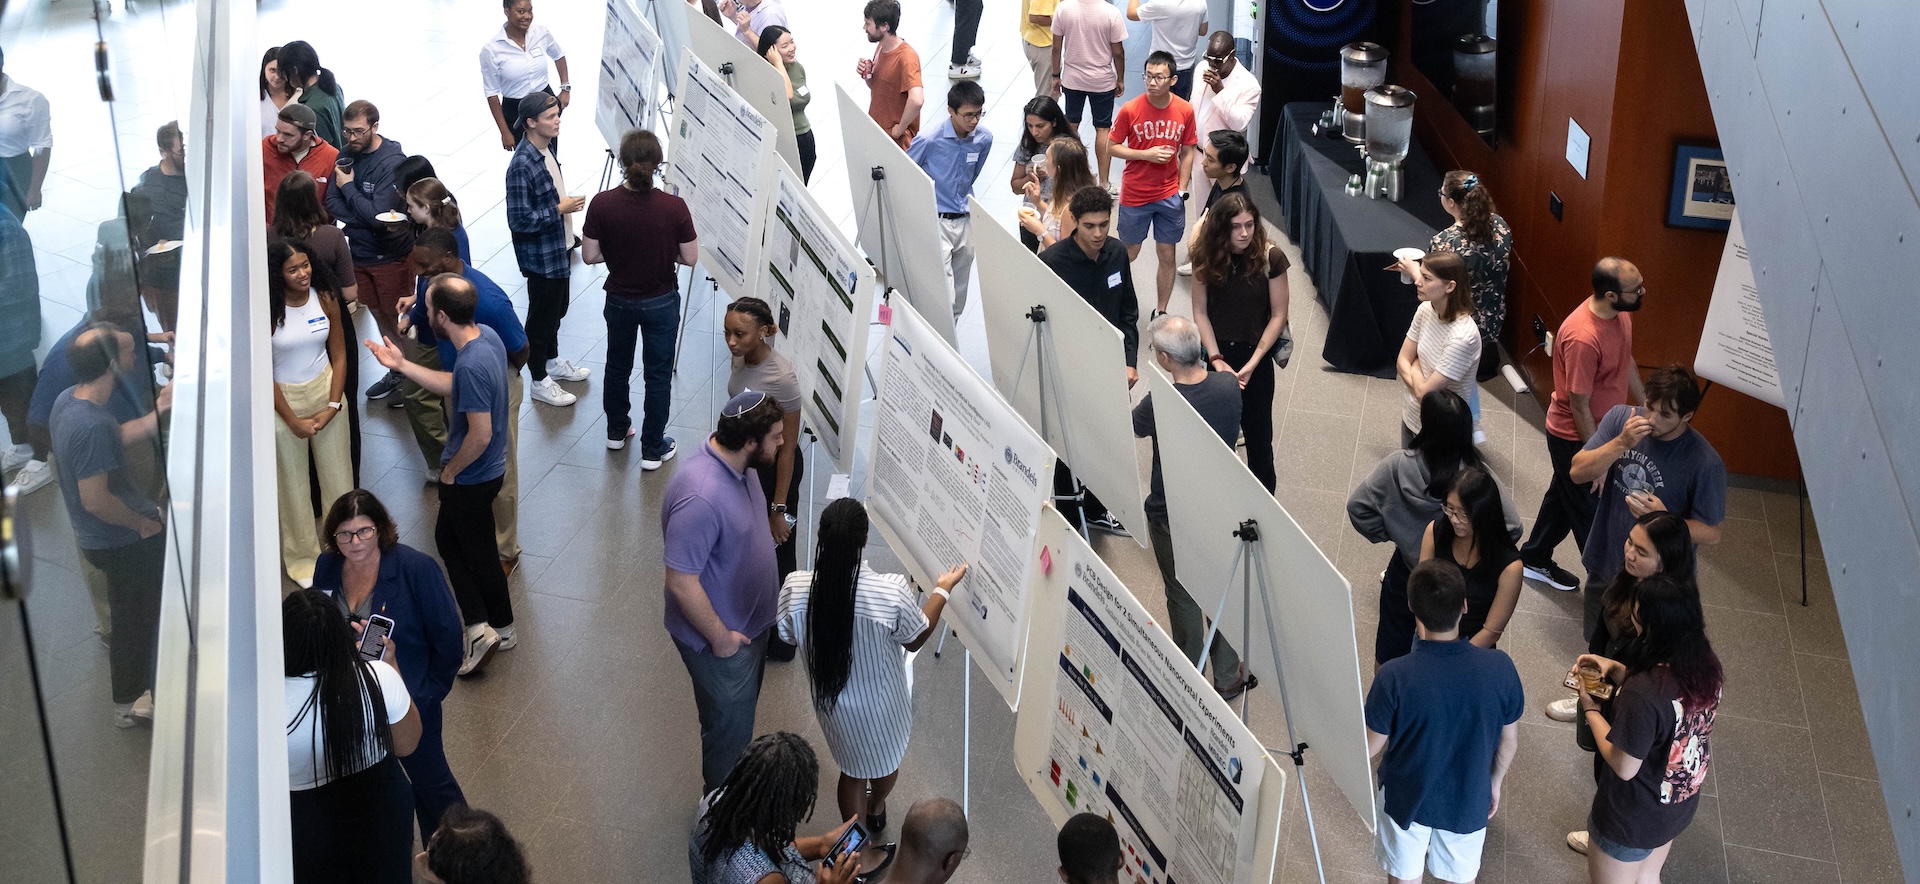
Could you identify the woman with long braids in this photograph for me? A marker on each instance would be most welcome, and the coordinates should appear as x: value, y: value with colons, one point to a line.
x: 745, y: 830
x: 308, y: 339
x: 1652, y: 738
x: 857, y: 628
x: 348, y: 722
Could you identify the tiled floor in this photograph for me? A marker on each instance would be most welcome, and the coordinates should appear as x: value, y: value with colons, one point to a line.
x: 584, y: 737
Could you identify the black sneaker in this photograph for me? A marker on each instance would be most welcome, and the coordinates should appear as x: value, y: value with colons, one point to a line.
x: 385, y: 386
x: 1553, y: 575
x: 1109, y: 524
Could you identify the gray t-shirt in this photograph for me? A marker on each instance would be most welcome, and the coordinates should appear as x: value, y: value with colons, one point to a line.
x: 773, y: 376
x: 86, y: 443
x: 1686, y: 474
x: 480, y: 385
x: 1217, y: 398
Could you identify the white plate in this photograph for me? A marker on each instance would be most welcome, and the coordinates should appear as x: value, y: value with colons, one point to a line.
x: 1410, y: 254
x: 165, y: 247
x: 390, y: 217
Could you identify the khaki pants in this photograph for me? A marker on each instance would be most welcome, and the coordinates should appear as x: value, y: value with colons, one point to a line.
x: 1040, y: 58
x: 506, y: 506
x: 329, y: 450
x: 426, y: 411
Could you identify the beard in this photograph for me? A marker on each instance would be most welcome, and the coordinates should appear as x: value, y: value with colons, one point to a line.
x: 1634, y: 307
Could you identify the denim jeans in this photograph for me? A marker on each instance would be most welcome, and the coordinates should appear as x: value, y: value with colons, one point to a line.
x: 726, y: 691
x: 653, y: 323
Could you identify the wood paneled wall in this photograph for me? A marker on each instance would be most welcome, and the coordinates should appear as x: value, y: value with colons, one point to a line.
x: 1628, y: 74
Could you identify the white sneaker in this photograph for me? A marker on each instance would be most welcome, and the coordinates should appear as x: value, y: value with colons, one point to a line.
x: 1580, y: 841
x: 127, y: 715
x: 651, y: 462
x: 1185, y: 268
x: 563, y: 370
x: 481, y: 641
x: 547, y: 390
x: 617, y: 444
x: 963, y: 72
x: 1564, y: 710
x: 506, y: 639
x: 16, y: 457
x: 35, y: 475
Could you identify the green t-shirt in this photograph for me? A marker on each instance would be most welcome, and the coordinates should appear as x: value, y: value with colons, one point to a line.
x: 328, y: 108
x: 801, y: 96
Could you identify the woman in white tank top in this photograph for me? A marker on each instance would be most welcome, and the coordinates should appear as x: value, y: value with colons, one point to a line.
x: 309, y: 354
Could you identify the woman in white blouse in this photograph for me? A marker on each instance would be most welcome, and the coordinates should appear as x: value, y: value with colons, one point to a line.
x: 856, y: 628
x: 513, y: 65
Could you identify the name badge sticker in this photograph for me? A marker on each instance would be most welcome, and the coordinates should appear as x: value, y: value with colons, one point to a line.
x: 801, y: 90
x: 973, y: 158
x: 1113, y: 280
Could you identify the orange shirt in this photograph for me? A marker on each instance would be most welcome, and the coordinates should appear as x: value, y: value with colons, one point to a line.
x: 1592, y: 356
x: 276, y: 165
x: 1141, y: 126
x: 894, y: 74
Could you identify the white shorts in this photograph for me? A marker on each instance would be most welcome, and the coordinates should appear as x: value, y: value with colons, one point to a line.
x: 1449, y: 855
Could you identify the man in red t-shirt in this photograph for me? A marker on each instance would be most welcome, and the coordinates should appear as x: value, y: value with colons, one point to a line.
x: 295, y: 145
x: 892, y: 74
x: 1593, y: 371
x: 1154, y: 134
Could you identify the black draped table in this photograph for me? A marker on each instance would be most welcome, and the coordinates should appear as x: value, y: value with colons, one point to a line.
x: 1346, y: 240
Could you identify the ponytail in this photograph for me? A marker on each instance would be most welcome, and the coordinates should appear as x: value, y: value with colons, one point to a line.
x: 1475, y: 202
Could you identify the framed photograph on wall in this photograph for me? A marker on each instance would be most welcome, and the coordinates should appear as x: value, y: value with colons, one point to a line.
x: 1702, y: 194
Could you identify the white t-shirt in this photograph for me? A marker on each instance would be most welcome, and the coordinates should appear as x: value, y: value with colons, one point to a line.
x: 306, y: 755
x: 1090, y: 28
x: 1451, y: 348
x: 1176, y: 28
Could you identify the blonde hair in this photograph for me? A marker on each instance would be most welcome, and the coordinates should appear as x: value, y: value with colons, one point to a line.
x: 442, y: 209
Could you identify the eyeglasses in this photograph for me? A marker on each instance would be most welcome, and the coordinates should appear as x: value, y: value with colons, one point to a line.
x: 744, y: 406
x: 1636, y: 292
x: 1453, y: 513
x: 1159, y: 78
x: 356, y: 133
x: 362, y: 535
x: 1219, y: 59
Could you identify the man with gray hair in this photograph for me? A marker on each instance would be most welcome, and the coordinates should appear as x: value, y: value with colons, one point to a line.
x: 1175, y: 344
x: 933, y: 841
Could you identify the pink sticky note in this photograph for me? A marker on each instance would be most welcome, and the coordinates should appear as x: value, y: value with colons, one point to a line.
x: 886, y: 314
x: 1046, y: 560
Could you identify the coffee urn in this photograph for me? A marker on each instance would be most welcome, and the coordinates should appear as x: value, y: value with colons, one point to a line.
x: 1473, y: 81
x: 1389, y: 127
x: 1363, y: 66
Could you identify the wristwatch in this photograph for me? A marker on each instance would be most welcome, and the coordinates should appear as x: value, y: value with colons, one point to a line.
x: 334, y: 405
x: 778, y: 508
x: 566, y: 87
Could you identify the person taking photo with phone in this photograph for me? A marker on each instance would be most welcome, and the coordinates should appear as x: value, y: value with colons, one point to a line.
x: 743, y: 832
x: 365, y: 568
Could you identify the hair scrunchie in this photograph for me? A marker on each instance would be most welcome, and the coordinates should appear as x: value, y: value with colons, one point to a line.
x: 1472, y: 181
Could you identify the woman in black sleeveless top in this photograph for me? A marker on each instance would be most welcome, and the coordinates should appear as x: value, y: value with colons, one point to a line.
x: 1472, y: 534
x: 1240, y: 305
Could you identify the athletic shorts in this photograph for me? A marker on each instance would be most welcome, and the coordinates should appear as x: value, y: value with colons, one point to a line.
x: 1102, y: 107
x: 1167, y: 217
x: 1451, y: 856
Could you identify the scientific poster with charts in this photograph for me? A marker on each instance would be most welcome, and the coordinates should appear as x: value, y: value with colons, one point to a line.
x: 721, y: 152
x: 630, y: 70
x: 1128, y: 729
x: 959, y: 477
x: 821, y: 292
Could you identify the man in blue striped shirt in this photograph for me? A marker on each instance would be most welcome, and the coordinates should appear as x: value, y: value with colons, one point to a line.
x: 537, y: 214
x: 952, y: 155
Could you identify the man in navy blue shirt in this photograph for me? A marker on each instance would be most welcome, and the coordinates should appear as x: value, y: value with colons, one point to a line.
x: 1447, y: 716
x: 436, y: 251
x: 952, y: 155
x: 472, y: 465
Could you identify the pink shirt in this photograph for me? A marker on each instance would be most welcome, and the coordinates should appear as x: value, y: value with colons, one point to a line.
x: 1088, y: 29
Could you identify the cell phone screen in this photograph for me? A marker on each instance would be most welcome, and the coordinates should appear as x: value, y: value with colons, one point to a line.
x: 373, y: 642
x: 850, y: 842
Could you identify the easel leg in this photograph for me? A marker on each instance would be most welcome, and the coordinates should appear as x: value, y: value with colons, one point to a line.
x: 1299, y: 749
x: 686, y: 309
x: 966, y: 739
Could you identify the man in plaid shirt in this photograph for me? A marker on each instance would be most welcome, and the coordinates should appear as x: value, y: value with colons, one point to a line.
x: 539, y: 216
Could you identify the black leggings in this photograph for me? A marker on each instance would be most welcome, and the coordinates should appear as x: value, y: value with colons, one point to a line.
x: 546, y: 306
x: 786, y: 553
x: 807, y: 155
x: 1256, y: 411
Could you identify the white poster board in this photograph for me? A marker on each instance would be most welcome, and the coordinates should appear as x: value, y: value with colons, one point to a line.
x: 959, y: 477
x: 669, y: 20
x: 1137, y: 735
x: 630, y: 73
x: 907, y: 245
x: 1210, y: 493
x: 721, y: 155
x: 1090, y: 421
x: 821, y: 291
x: 1734, y: 348
x: 749, y: 74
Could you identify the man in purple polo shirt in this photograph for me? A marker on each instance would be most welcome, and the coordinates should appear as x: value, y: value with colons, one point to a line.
x: 723, y: 581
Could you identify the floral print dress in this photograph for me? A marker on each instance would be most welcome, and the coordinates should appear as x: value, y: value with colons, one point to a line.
x: 1487, y: 265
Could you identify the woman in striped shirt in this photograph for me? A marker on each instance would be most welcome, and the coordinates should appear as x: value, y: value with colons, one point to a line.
x: 857, y: 628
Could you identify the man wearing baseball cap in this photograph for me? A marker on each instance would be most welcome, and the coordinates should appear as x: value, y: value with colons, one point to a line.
x: 295, y: 145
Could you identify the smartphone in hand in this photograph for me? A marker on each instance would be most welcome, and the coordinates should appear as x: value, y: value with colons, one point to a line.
x: 373, y: 641
x: 849, y: 843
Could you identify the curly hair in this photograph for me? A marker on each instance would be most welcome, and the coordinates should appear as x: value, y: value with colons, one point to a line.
x: 766, y: 796
x: 1476, y: 204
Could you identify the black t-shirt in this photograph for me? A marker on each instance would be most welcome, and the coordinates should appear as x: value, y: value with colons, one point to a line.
x: 1215, y: 191
x: 1649, y: 723
x: 1239, y: 308
x: 1483, y: 579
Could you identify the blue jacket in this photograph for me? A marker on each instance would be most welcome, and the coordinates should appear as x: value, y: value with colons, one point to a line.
x: 375, y: 189
x: 426, y: 622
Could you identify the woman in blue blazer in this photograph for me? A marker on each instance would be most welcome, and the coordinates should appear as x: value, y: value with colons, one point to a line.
x: 366, y: 568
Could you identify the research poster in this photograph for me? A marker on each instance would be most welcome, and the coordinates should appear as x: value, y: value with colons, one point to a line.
x: 821, y: 292
x: 1734, y: 347
x: 1140, y: 738
x: 959, y: 477
x: 630, y: 68
x: 721, y: 151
